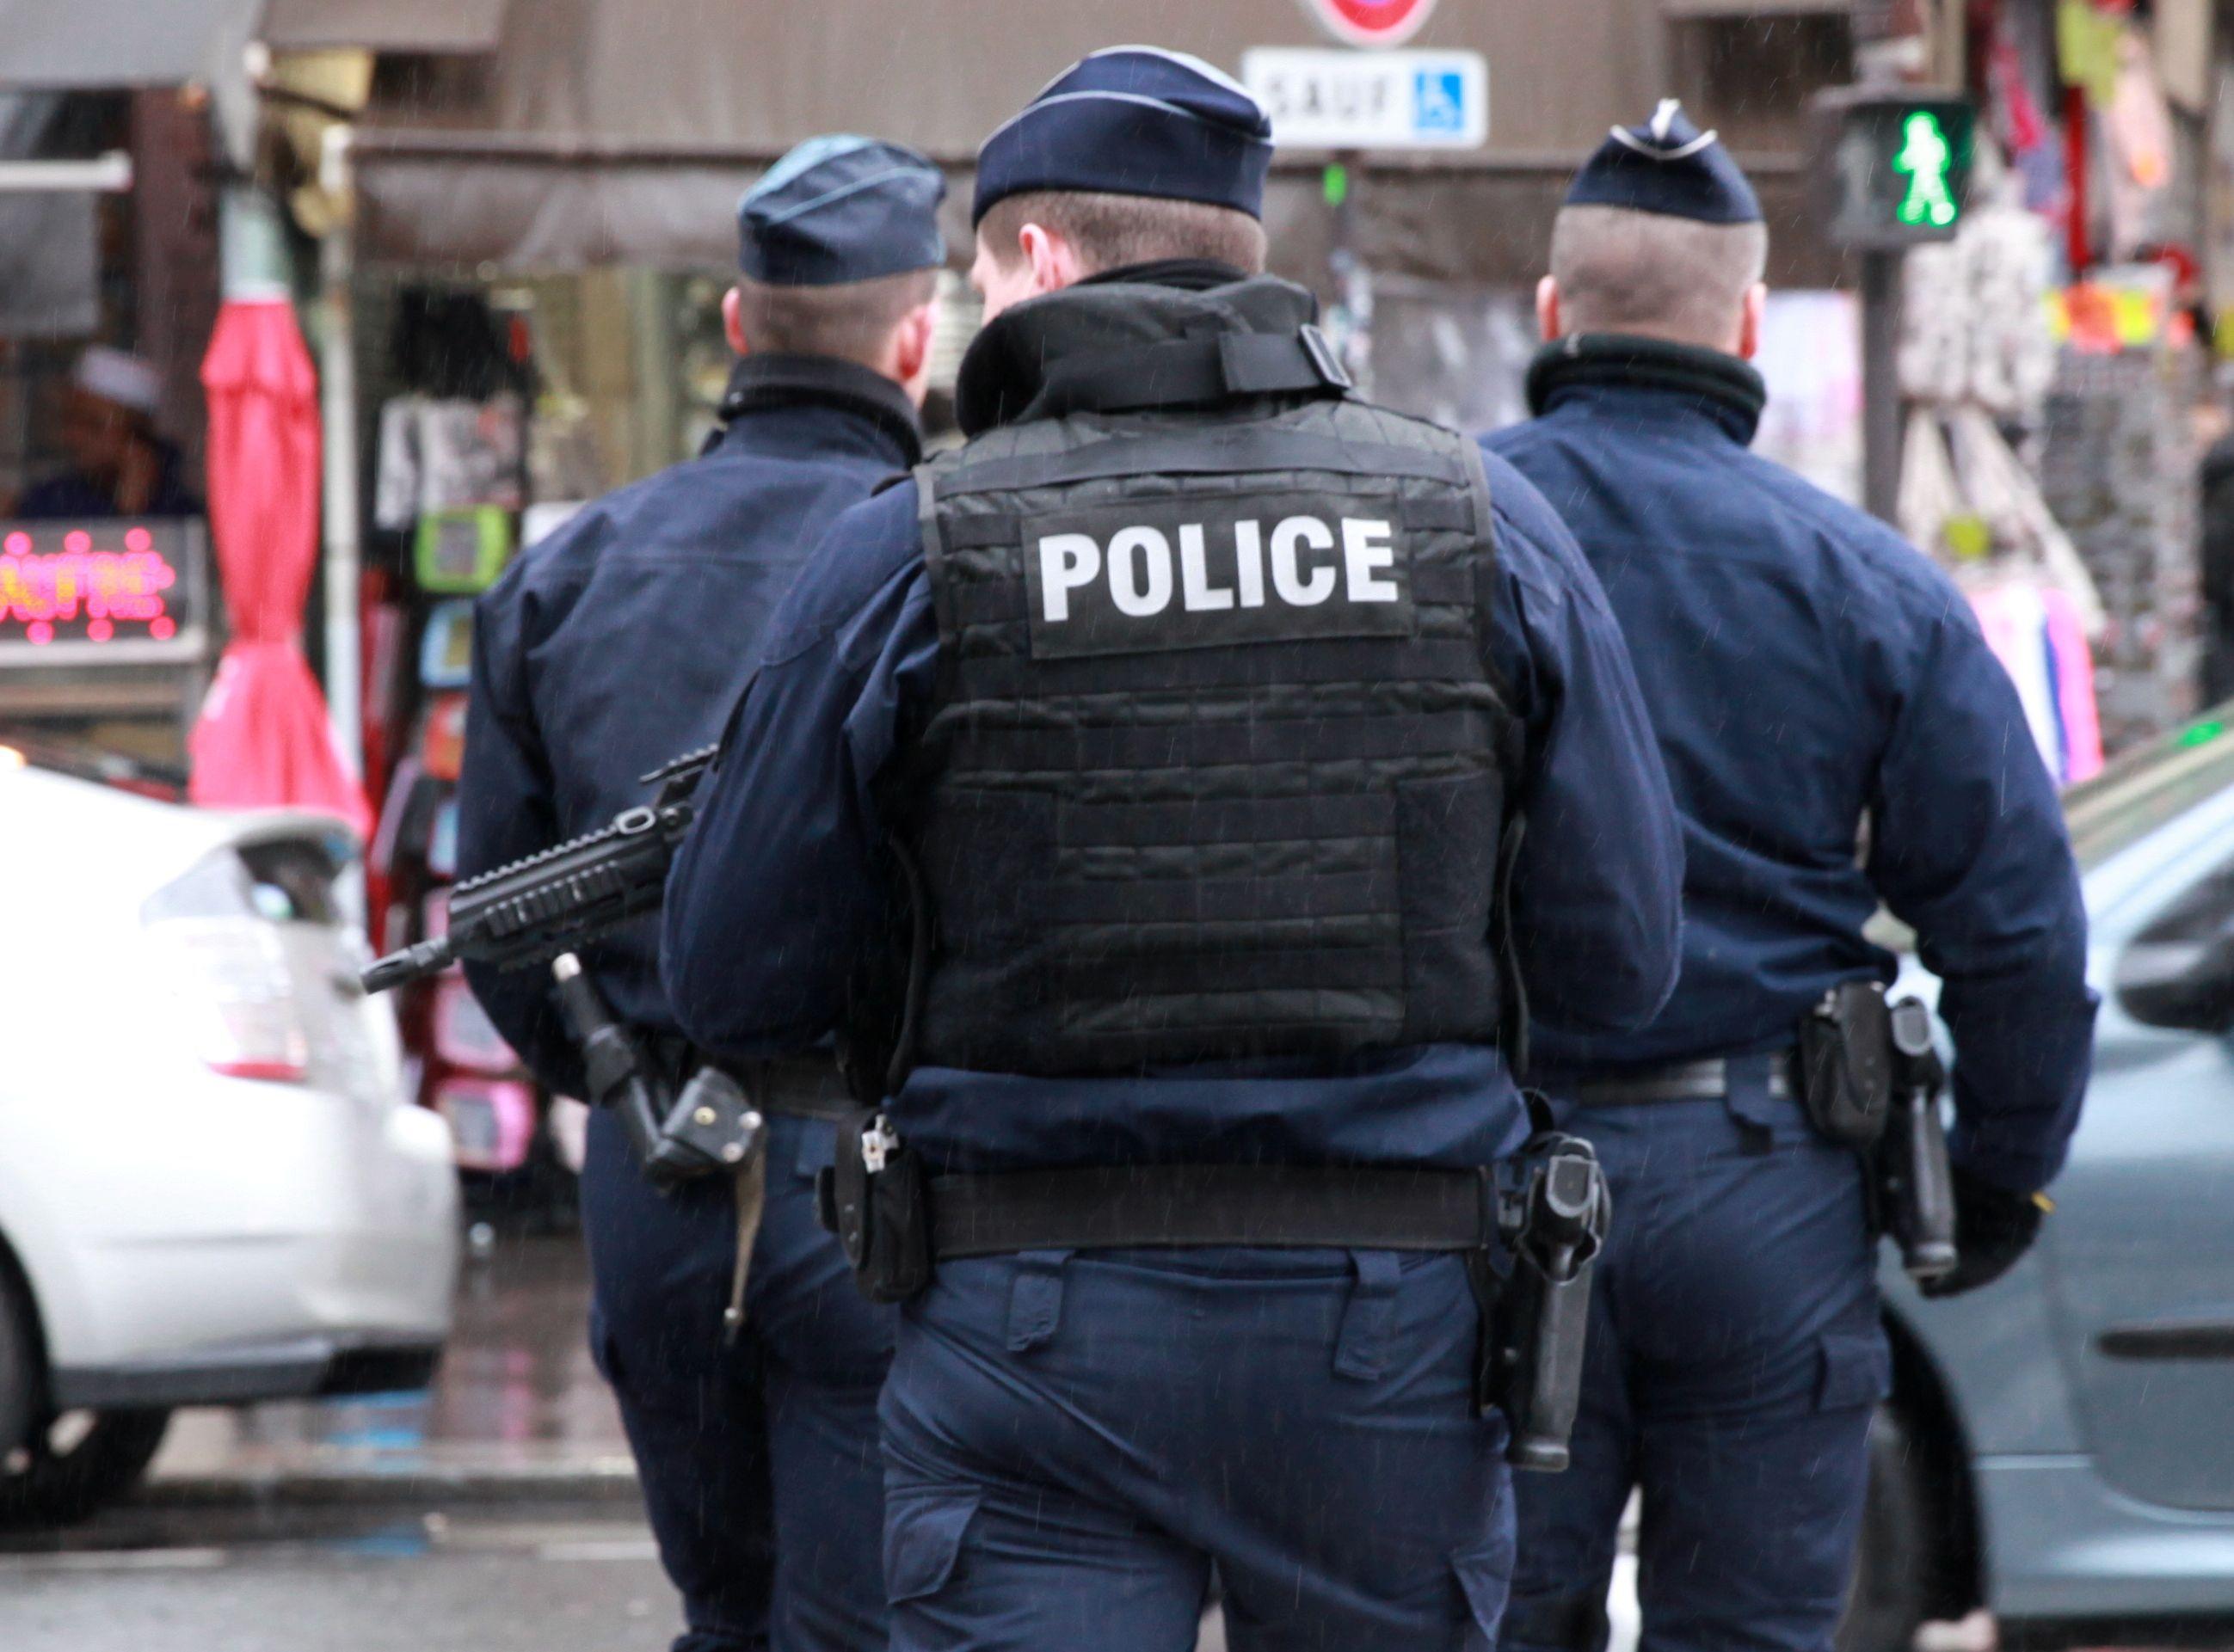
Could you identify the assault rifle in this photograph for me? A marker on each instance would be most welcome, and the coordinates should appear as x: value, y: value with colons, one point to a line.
x: 533, y: 910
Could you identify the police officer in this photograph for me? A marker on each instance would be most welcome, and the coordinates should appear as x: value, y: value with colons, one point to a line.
x: 1807, y: 672
x: 609, y: 647
x: 1192, y: 700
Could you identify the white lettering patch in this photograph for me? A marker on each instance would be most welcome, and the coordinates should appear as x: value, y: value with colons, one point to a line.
x: 1205, y: 573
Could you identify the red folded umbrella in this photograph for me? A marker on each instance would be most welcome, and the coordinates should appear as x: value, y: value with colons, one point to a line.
x: 263, y: 739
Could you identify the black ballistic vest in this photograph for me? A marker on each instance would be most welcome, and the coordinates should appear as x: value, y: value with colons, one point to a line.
x: 1216, y: 767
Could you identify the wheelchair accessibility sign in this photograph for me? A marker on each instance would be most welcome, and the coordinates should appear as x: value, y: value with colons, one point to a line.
x: 1372, y: 100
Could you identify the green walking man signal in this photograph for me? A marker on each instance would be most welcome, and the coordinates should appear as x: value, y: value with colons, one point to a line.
x: 1891, y: 165
x: 1924, y: 157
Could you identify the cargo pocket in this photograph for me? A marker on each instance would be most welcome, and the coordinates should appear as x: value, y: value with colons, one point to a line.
x: 1857, y: 1369
x: 1485, y: 1577
x: 923, y: 1541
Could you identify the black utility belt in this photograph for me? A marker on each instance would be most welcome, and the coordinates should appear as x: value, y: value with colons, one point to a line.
x: 1348, y: 1208
x: 790, y: 1087
x: 1705, y: 1080
x: 1528, y: 1229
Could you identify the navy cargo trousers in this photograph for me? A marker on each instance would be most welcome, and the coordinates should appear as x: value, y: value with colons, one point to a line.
x: 734, y: 1443
x: 1735, y: 1358
x: 1073, y: 1440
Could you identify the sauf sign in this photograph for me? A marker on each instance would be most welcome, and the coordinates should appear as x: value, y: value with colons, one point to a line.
x: 1371, y: 23
x: 1321, y: 99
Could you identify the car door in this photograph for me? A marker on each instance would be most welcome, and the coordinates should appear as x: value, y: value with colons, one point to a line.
x: 2139, y: 1254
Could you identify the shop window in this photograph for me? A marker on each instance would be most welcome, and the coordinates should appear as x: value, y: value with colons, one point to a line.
x: 1752, y: 75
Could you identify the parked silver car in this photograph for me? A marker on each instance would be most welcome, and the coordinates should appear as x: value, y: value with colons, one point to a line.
x: 2059, y: 1446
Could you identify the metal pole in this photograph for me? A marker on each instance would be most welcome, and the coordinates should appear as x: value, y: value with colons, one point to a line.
x: 1880, y: 382
x: 337, y: 396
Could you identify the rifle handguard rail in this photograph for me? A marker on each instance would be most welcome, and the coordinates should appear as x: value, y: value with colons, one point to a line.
x: 533, y: 909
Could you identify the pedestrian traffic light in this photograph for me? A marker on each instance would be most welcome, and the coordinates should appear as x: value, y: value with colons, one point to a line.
x: 1892, y: 166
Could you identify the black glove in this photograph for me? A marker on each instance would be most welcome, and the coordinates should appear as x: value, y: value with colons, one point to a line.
x: 1993, y: 1228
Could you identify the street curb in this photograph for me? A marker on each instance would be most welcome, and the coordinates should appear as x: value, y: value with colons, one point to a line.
x: 602, y: 1482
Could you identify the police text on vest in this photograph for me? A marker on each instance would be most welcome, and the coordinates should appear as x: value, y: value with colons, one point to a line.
x: 1150, y: 579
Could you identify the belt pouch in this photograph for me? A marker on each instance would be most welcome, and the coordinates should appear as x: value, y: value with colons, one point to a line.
x: 1846, y: 1064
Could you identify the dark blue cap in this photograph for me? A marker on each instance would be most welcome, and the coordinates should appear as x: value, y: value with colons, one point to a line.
x: 842, y: 208
x: 1667, y: 166
x: 1134, y: 120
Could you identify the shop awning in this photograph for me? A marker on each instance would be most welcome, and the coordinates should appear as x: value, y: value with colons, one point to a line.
x: 431, y: 26
x: 66, y: 44
x: 623, y: 131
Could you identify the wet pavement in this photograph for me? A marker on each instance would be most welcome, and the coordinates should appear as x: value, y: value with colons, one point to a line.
x: 496, y: 1512
x: 508, y: 1579
x: 516, y: 1407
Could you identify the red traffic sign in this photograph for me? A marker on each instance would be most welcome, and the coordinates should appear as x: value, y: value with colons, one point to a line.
x: 1371, y: 23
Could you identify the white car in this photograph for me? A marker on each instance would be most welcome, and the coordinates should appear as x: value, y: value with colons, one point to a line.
x: 212, y: 1187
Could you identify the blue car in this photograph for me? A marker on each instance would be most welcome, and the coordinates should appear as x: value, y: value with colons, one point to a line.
x: 2059, y: 1446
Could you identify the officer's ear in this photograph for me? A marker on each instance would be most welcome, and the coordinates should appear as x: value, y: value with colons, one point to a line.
x: 1756, y: 306
x: 1055, y: 261
x: 1547, y: 307
x: 733, y: 322
x: 912, y: 350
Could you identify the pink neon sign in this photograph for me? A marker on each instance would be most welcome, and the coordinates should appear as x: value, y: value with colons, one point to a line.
x: 87, y: 587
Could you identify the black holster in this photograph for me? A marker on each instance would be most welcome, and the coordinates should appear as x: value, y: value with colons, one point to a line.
x: 1914, y: 1180
x: 875, y: 1198
x: 1554, y: 1211
x: 1870, y: 1078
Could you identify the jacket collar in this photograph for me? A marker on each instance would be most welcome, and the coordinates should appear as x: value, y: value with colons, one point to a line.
x: 780, y: 381
x: 1006, y: 367
x: 1188, y: 275
x: 1729, y: 391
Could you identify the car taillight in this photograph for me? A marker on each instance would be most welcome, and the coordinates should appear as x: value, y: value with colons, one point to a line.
x: 220, y: 933
x: 232, y: 981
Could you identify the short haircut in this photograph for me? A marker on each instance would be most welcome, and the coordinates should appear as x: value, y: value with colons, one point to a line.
x: 852, y: 320
x: 1109, y: 232
x: 1621, y: 270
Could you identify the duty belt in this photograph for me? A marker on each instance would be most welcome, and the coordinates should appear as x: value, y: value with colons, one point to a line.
x: 1350, y: 1208
x: 799, y: 1086
x: 1528, y: 1229
x: 1704, y: 1081
x: 791, y: 1087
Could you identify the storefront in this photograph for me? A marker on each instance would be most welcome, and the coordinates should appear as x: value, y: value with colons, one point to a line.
x: 109, y: 620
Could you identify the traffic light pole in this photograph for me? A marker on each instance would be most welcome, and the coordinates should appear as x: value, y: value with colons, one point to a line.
x: 1880, y: 381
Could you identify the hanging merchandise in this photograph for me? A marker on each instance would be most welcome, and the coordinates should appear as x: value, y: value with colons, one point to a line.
x: 442, y: 741
x: 462, y: 551
x: 2118, y: 466
x: 446, y: 645
x: 2086, y: 35
x: 2137, y: 132
x: 445, y: 455
x: 1976, y: 359
x: 1974, y: 328
x: 2035, y: 631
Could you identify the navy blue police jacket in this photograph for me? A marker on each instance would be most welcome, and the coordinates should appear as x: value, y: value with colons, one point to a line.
x: 625, y: 638
x: 1808, y: 670
x: 777, y: 887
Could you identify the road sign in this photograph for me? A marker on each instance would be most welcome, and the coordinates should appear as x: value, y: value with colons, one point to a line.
x: 1892, y: 168
x: 1371, y: 23
x: 1334, y: 100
